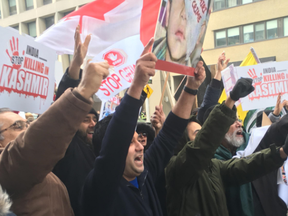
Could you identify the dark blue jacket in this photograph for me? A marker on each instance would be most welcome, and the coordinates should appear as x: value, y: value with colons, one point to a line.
x: 106, y: 192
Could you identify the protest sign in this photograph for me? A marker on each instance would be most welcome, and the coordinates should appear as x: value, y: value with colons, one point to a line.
x: 269, y: 80
x: 123, y: 61
x: 180, y: 34
x: 229, y: 78
x: 27, y: 73
x: 108, y: 107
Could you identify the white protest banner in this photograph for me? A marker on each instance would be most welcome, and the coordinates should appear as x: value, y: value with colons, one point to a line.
x: 229, y: 79
x: 124, y: 62
x: 27, y: 73
x: 269, y: 80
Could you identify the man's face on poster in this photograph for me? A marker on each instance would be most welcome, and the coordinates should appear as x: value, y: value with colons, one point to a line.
x: 176, y: 29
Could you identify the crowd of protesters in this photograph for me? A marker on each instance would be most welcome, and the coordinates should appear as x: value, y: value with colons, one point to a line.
x: 67, y: 163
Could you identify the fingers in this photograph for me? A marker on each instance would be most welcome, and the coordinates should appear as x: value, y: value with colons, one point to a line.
x: 87, y: 40
x: 227, y: 61
x: 148, y: 46
x: 148, y: 57
x: 77, y: 35
x: 198, y: 66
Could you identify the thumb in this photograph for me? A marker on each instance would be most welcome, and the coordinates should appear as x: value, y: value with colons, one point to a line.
x: 148, y: 46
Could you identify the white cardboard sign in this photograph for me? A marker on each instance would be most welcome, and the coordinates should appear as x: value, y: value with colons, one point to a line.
x: 122, y: 56
x: 26, y: 74
x: 269, y: 79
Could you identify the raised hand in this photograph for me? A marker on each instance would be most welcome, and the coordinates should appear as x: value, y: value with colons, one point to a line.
x: 80, y: 52
x: 145, y: 67
x: 242, y: 88
x: 279, y: 106
x: 197, y: 80
x: 92, y: 77
x: 158, y: 118
x: 221, y: 65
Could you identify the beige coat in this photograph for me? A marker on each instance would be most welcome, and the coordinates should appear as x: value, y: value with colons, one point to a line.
x: 26, y: 162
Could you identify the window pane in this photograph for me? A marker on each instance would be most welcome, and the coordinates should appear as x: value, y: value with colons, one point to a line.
x: 271, y: 27
x: 246, y: 1
x: 286, y: 26
x: 259, y: 32
x: 29, y: 4
x: 47, y: 2
x: 219, y: 4
x: 233, y: 36
x: 231, y: 3
x: 49, y: 21
x: 32, y: 29
x: 221, y: 38
x: 248, y: 33
x: 12, y: 7
x: 16, y: 27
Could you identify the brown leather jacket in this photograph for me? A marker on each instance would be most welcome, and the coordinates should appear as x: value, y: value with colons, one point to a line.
x: 26, y: 162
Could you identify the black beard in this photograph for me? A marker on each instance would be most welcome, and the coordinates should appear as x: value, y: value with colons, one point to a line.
x: 83, y: 136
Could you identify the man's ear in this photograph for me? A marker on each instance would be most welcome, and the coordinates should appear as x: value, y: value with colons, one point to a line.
x: 167, y: 13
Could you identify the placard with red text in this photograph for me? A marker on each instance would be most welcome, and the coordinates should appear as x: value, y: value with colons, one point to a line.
x: 26, y: 74
x: 122, y: 57
x: 269, y: 79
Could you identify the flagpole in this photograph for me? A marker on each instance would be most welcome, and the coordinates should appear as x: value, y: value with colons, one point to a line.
x: 164, y: 88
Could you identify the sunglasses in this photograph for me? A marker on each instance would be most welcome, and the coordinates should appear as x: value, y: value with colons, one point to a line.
x: 142, y: 134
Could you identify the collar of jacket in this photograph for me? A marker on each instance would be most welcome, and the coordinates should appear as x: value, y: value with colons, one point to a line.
x: 223, y: 153
x: 141, y: 180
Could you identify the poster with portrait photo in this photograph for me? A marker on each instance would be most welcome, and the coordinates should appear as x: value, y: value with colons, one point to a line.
x: 180, y: 31
x: 108, y: 107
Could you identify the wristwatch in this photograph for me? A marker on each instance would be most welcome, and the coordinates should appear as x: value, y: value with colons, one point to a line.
x: 190, y: 91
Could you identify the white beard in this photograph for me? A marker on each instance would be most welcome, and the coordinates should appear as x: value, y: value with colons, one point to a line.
x: 234, y: 140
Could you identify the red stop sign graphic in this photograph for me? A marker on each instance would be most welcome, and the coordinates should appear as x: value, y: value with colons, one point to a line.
x: 115, y: 58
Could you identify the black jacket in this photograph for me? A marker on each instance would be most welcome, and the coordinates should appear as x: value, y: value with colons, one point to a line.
x: 79, y: 158
x: 106, y: 192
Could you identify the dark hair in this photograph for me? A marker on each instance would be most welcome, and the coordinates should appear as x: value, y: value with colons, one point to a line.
x: 185, y: 138
x: 145, y: 127
x: 99, y: 132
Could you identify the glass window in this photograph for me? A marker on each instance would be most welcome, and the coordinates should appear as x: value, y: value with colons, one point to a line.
x: 231, y: 3
x: 32, y: 29
x: 271, y: 29
x: 49, y: 21
x: 16, y: 27
x: 248, y: 33
x: 233, y: 36
x: 29, y: 4
x: 221, y: 38
x: 219, y: 4
x: 47, y: 2
x: 286, y: 26
x: 259, y: 31
x: 12, y: 7
x: 246, y: 1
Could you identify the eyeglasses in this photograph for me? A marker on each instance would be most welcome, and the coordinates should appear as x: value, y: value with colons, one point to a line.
x: 18, y: 125
x: 142, y: 134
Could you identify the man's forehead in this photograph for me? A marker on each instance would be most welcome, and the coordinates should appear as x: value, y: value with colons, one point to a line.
x: 9, y: 117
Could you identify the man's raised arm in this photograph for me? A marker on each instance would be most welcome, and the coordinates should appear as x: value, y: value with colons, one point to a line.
x: 32, y: 155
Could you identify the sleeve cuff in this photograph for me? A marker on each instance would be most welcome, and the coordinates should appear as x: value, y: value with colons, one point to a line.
x: 216, y: 84
x: 229, y: 112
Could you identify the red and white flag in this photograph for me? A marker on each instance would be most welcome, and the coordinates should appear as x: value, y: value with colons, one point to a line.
x: 108, y: 21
